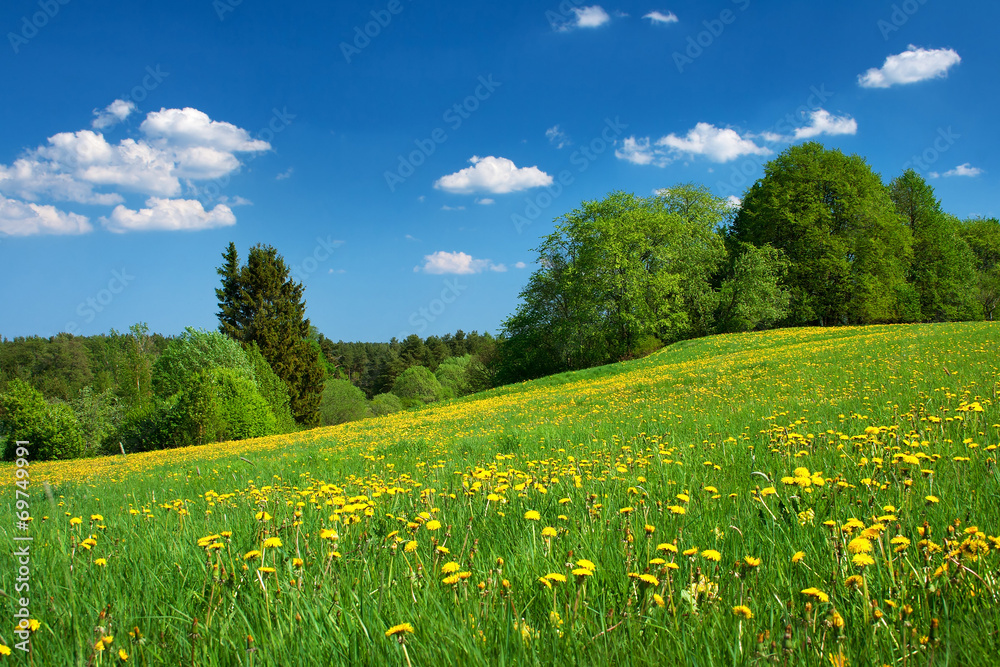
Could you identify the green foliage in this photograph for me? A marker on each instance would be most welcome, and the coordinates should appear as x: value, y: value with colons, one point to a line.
x: 943, y: 273
x: 453, y: 374
x: 194, y: 351
x: 982, y: 235
x: 385, y: 404
x: 417, y: 385
x: 221, y: 404
x: 751, y: 296
x: 259, y: 303
x: 98, y: 415
x: 342, y: 402
x: 834, y: 220
x: 51, y: 429
x: 274, y: 391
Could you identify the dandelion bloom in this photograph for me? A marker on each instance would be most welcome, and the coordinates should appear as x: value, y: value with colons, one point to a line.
x: 448, y: 568
x: 532, y: 515
x: 272, y: 542
x: 101, y: 562
x: 583, y: 562
x: 711, y: 554
x: 96, y: 517
x: 854, y: 581
x: 626, y: 510
x: 549, y: 531
x: 298, y: 562
x: 399, y: 629
x: 863, y: 560
x: 901, y: 543
x: 4, y: 650
x: 798, y: 556
x: 583, y: 572
x: 750, y: 561
x: 76, y: 521
x: 251, y: 555
x: 328, y: 534
x: 666, y: 546
x: 410, y: 547
x: 859, y: 545
x: 743, y: 610
x: 649, y: 529
x: 676, y: 509
x: 266, y: 570
x: 691, y: 552
x: 433, y: 524
x: 451, y: 580
x: 660, y: 602
x: 931, y: 500
x: 816, y: 593
x: 649, y: 579
x: 556, y: 576
x: 122, y: 654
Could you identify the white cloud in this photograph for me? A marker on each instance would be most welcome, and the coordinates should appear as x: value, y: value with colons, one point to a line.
x: 497, y: 175
x: 520, y: 265
x: 486, y: 201
x: 113, y: 114
x: 660, y: 17
x: 593, y: 16
x: 286, y: 174
x: 961, y: 170
x: 717, y: 144
x: 822, y: 121
x: 910, y: 66
x: 191, y: 127
x: 734, y: 201
x: 169, y: 215
x: 442, y: 262
x: 557, y: 137
x: 452, y: 208
x: 19, y: 218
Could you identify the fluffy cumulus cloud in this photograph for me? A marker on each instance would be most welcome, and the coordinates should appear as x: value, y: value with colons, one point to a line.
x: 442, y: 262
x: 593, y: 16
x: 169, y: 215
x: 497, y: 175
x: 661, y: 18
x: 113, y: 114
x: 961, y: 170
x: 176, y: 149
x: 18, y: 218
x: 822, y: 121
x: 714, y: 143
x: 914, y: 64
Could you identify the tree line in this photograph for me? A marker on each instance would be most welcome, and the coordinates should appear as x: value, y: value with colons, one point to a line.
x: 820, y: 239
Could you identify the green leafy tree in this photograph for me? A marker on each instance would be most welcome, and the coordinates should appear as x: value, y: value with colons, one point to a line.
x: 98, y: 414
x: 385, y: 404
x: 51, y: 429
x: 982, y: 235
x: 751, y: 296
x: 221, y: 404
x: 833, y: 218
x: 417, y: 385
x: 943, y: 268
x: 259, y: 303
x: 453, y: 374
x: 342, y: 402
x: 272, y: 389
x: 193, y: 351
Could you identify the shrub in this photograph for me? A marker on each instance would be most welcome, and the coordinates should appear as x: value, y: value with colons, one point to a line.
x: 417, y: 385
x: 385, y: 404
x: 341, y: 402
x: 221, y: 404
x: 51, y: 430
x: 193, y: 351
x: 273, y: 389
x: 453, y: 374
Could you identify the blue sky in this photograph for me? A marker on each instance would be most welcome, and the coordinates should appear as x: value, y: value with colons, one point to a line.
x: 406, y: 156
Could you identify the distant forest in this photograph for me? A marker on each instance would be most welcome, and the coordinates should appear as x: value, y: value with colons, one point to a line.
x: 820, y: 239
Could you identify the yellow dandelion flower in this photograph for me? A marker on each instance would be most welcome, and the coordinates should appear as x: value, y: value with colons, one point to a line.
x: 750, y: 561
x: 251, y: 555
x: 328, y: 534
x: 676, y: 509
x: 816, y: 593
x: 399, y: 629
x: 666, y: 546
x: 626, y: 510
x: 265, y: 570
x: 583, y: 572
x: 122, y: 655
x: 649, y: 529
x: 433, y: 525
x: 272, y: 542
x: 549, y: 531
x: 711, y: 554
x: 863, y: 560
x: 448, y: 568
x: 298, y: 562
x: 649, y: 579
x: 931, y: 500
x: 96, y: 517
x: 691, y: 552
x: 743, y: 610
x: 583, y: 562
x: 860, y: 545
x: 854, y: 581
x: 4, y: 650
x: 100, y: 562
x: 532, y: 515
x: 556, y: 576
x: 76, y: 521
x: 798, y: 556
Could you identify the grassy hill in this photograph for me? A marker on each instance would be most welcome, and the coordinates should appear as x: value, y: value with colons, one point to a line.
x: 796, y: 496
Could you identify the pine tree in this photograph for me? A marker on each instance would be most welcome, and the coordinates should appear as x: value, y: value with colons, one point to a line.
x: 259, y: 303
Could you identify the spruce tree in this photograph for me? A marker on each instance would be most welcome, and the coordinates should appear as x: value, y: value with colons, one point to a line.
x: 259, y: 303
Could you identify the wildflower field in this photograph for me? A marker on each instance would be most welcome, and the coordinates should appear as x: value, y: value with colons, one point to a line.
x: 795, y: 497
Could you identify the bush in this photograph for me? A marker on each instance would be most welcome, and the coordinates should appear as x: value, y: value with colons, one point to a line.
x: 341, y: 402
x: 453, y: 374
x: 385, y: 404
x: 144, y: 429
x: 193, y: 351
x: 51, y: 430
x: 221, y: 404
x: 417, y: 385
x: 273, y: 389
